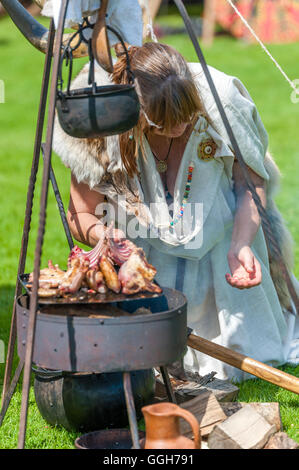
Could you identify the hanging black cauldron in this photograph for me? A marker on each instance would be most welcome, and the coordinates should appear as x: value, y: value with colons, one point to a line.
x: 87, y: 402
x: 96, y: 111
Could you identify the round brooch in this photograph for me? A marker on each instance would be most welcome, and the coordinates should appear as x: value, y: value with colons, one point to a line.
x: 161, y: 166
x: 207, y: 149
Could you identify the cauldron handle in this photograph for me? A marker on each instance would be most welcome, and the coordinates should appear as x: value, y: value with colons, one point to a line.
x: 129, y: 70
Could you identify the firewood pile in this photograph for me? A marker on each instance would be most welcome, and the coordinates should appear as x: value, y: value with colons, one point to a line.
x: 224, y: 423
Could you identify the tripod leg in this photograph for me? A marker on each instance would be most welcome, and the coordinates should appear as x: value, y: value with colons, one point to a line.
x: 60, y: 204
x: 166, y: 380
x: 28, y: 212
x: 10, y: 350
x: 41, y: 229
x: 10, y: 391
x: 131, y: 409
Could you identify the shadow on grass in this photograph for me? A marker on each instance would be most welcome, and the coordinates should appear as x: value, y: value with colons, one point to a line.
x: 7, y: 293
x: 4, y: 42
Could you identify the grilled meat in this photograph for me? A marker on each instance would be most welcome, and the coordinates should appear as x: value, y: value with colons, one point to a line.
x: 136, y: 274
x: 53, y: 281
x: 49, y: 277
x: 95, y: 269
x: 44, y: 292
x: 119, y: 247
x: 74, y: 276
x: 95, y: 281
x: 110, y: 275
x: 91, y: 256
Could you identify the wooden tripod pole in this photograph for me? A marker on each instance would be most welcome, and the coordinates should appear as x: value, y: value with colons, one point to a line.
x: 245, y: 363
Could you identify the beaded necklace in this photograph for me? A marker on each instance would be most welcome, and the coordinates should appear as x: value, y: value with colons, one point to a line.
x: 186, y: 195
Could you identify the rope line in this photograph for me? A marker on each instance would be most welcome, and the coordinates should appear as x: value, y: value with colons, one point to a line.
x: 263, y: 46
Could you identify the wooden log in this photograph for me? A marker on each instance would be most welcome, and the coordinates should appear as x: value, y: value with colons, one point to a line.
x: 281, y: 440
x: 184, y: 391
x: 222, y: 389
x: 270, y: 411
x: 206, y: 410
x: 246, y: 429
x: 245, y: 363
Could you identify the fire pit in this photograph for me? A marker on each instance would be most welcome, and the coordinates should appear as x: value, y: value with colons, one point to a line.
x: 88, y: 338
x: 108, y: 337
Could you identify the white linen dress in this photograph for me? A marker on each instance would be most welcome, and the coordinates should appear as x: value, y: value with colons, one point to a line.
x: 249, y: 321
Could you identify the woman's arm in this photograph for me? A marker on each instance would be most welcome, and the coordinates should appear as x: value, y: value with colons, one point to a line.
x: 245, y: 268
x: 85, y: 225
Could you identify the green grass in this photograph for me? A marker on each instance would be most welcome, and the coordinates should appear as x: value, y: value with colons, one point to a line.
x: 21, y: 69
x: 40, y: 435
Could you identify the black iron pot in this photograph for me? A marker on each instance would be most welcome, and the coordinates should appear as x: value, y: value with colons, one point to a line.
x: 88, y: 402
x: 96, y: 111
x: 106, y: 110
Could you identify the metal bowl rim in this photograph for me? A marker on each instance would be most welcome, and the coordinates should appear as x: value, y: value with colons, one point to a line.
x: 130, y: 318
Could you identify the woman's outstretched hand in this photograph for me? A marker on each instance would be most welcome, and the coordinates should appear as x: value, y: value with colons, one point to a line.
x: 245, y: 268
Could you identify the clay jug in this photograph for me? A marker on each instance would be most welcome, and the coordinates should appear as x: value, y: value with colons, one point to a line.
x: 163, y: 430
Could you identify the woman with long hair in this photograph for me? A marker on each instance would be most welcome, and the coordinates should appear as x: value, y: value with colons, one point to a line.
x: 187, y: 203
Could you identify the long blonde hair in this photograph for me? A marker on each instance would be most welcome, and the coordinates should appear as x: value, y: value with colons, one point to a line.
x: 166, y: 91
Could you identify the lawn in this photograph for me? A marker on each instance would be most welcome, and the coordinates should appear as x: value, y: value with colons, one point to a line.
x: 21, y: 70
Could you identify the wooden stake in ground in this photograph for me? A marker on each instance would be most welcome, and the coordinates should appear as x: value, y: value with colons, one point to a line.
x: 149, y: 14
x: 154, y: 6
x: 208, y: 28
